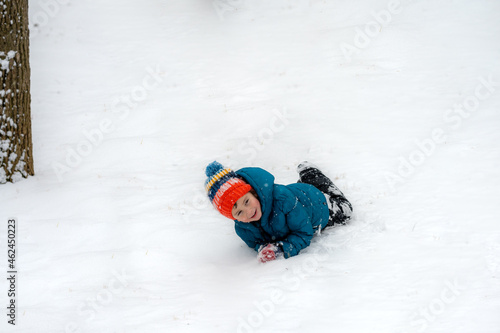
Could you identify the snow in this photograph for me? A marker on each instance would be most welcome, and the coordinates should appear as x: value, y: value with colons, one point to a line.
x: 131, y: 100
x: 5, y: 61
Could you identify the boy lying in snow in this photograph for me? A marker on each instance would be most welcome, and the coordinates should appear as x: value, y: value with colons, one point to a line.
x: 276, y: 219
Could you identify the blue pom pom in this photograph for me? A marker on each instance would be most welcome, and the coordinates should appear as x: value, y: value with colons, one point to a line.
x: 213, y: 168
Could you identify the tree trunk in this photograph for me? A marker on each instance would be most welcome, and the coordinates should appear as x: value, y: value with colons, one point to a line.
x: 16, y: 151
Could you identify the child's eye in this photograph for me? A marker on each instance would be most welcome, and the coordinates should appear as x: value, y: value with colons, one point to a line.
x: 246, y: 201
x: 239, y: 213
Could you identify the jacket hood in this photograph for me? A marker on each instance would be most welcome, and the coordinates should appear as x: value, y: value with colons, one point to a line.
x: 263, y: 183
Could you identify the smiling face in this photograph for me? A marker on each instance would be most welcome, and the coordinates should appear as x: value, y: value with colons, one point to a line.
x: 247, y: 209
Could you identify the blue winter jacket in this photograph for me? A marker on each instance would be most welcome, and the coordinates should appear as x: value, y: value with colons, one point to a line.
x: 290, y: 214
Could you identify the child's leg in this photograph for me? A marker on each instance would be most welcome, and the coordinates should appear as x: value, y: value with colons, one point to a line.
x: 339, y: 207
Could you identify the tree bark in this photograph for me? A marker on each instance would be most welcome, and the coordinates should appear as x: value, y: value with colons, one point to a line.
x: 16, y: 149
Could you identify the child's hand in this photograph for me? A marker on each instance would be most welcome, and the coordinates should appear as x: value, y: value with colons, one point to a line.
x: 268, y: 252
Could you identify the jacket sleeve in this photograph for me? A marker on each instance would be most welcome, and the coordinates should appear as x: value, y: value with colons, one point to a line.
x: 300, y: 226
x: 251, y: 236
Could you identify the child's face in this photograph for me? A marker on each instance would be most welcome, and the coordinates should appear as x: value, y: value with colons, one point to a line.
x: 247, y: 209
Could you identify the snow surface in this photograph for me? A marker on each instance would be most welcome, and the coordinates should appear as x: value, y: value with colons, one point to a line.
x: 131, y: 100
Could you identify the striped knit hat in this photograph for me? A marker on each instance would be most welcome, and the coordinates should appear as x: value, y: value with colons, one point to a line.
x: 224, y: 188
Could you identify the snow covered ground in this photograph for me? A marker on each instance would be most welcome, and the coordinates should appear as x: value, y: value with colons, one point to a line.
x: 398, y: 101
